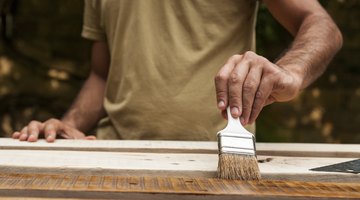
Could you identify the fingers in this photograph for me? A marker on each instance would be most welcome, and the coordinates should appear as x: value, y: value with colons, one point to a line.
x: 55, y: 127
x: 21, y: 135
x: 250, y: 88
x: 29, y: 133
x: 247, y: 82
x: 24, y: 134
x: 261, y: 97
x: 50, y: 129
x: 34, y: 129
x: 16, y: 135
x: 236, y: 81
x: 221, y: 82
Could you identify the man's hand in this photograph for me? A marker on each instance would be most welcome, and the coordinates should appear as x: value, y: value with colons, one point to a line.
x: 85, y: 111
x: 50, y: 128
x: 248, y: 82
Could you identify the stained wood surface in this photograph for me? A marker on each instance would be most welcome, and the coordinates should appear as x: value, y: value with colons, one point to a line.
x: 137, y: 187
x: 90, y: 162
x: 79, y: 169
x: 274, y: 149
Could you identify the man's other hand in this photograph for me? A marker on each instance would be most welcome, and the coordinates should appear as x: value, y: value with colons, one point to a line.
x: 50, y: 128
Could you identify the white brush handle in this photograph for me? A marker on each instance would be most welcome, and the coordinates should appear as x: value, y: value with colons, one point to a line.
x: 234, y: 124
x: 234, y: 138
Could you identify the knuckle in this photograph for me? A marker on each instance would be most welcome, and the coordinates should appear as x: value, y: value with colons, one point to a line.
x: 249, y: 54
x: 49, y: 126
x: 221, y: 94
x: 32, y: 130
x: 23, y: 130
x: 235, y: 79
x: 249, y: 86
x: 52, y: 121
x: 33, y: 124
x: 259, y: 95
x: 234, y: 99
x: 220, y: 77
x: 234, y: 57
x: 49, y: 131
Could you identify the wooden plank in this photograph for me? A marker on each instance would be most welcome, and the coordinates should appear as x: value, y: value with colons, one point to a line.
x: 138, y: 187
x: 76, y: 160
x: 309, y: 150
x: 157, y: 164
x: 155, y: 146
x: 35, y: 198
x: 274, y: 149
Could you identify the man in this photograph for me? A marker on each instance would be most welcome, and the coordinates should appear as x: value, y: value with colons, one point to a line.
x: 153, y: 63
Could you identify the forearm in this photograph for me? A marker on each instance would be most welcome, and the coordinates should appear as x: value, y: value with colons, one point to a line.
x: 316, y: 42
x: 87, y: 109
x: 248, y: 82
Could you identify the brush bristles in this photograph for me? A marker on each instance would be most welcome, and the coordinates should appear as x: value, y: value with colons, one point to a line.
x: 238, y: 167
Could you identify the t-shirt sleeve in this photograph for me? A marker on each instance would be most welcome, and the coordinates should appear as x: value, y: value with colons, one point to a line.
x: 92, y: 28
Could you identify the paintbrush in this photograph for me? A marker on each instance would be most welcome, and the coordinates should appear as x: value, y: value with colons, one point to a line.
x: 237, y: 152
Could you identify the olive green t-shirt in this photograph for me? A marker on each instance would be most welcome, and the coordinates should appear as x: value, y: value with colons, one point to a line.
x: 164, y: 57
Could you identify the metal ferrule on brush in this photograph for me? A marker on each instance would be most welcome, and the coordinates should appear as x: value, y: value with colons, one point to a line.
x: 236, y: 143
x: 237, y: 153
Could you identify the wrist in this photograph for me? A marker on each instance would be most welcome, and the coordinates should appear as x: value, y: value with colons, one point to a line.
x: 293, y: 80
x: 69, y: 119
x: 297, y: 72
x: 69, y: 123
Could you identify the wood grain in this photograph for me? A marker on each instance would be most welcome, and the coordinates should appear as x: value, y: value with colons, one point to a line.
x: 158, y: 164
x: 137, y: 187
x: 309, y: 150
x: 79, y: 169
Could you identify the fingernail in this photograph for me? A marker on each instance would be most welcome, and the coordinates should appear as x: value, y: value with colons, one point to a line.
x: 235, y: 111
x: 50, y: 138
x: 23, y: 137
x: 221, y: 104
x: 15, y: 135
x: 242, y: 120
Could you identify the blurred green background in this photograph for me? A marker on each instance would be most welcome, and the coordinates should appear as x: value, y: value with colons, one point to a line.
x: 44, y: 61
